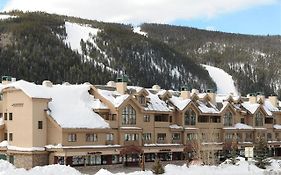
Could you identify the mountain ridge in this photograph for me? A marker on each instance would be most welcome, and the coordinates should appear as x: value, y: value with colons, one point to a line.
x: 37, y: 39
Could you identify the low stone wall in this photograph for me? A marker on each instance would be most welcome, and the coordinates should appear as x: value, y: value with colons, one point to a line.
x: 23, y: 161
x: 28, y: 161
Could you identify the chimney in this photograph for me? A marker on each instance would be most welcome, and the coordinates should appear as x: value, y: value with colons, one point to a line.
x: 212, y: 96
x: 7, y: 79
x: 185, y: 93
x: 47, y: 83
x: 156, y: 87
x: 121, y: 84
x: 194, y: 91
x: 252, y: 98
x: 260, y: 96
x: 273, y: 100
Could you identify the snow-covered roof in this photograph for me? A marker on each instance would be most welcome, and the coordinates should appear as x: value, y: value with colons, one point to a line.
x: 113, y: 96
x: 242, y: 126
x: 136, y: 88
x: 175, y: 126
x: 207, y: 107
x: 30, y: 89
x: 97, y: 104
x: 179, y: 102
x: 71, y: 106
x: 277, y: 126
x: 267, y: 104
x: 251, y: 107
x: 156, y: 104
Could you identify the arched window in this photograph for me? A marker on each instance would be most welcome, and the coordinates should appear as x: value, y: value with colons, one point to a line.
x: 259, y: 119
x: 228, y: 119
x: 128, y: 116
x: 190, y: 117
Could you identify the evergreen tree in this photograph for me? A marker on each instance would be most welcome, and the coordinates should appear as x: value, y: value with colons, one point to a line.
x: 261, y: 153
x: 158, y: 167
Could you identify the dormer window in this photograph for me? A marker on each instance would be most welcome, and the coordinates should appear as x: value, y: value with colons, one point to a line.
x: 228, y: 119
x: 142, y: 100
x: 259, y: 119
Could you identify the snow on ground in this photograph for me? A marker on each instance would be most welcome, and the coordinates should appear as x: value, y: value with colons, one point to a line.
x: 224, y: 81
x: 241, y: 168
x: 76, y: 32
x: 138, y: 30
x: 3, y: 17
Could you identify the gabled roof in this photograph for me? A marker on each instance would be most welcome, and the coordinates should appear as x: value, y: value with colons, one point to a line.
x: 179, y: 102
x: 207, y: 107
x: 71, y: 106
x: 156, y: 104
x: 251, y: 107
x: 114, y: 97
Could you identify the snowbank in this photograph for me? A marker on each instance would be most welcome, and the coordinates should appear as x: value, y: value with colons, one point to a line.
x: 242, y: 168
x: 224, y: 81
x: 8, y: 169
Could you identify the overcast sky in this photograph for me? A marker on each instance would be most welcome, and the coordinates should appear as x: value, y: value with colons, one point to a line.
x: 238, y: 16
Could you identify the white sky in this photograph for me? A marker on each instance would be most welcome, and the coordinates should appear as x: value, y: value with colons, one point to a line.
x: 137, y: 11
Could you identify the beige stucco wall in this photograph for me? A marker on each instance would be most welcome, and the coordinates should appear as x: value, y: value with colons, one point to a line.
x: 39, y: 107
x: 20, y: 105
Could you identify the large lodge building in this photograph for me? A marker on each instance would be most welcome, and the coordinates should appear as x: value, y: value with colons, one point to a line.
x: 115, y: 123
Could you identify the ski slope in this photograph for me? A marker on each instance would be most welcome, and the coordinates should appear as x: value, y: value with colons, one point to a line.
x: 224, y: 81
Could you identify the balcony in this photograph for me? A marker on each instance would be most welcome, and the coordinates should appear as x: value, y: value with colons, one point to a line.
x: 176, y: 141
x: 161, y: 141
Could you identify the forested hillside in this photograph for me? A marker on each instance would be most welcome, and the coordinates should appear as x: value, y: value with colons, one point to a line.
x: 253, y: 61
x: 33, y: 47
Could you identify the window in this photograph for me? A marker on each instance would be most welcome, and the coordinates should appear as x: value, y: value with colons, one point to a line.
x: 242, y: 120
x: 215, y: 119
x: 268, y: 120
x: 259, y: 119
x: 249, y: 137
x: 146, y: 136
x: 40, y: 124
x: 10, y: 136
x: 142, y: 99
x: 146, y: 118
x: 191, y: 136
x: 161, y: 118
x: 161, y: 136
x: 1, y: 115
x: 72, y: 137
x: 176, y: 136
x: 109, y: 137
x: 10, y: 116
x: 228, y: 119
x: 228, y: 136
x: 5, y: 116
x: 90, y: 137
x: 269, y: 136
x: 190, y: 117
x: 129, y: 116
x: 5, y: 136
x: 276, y: 137
x: 203, y: 119
x: 131, y: 137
